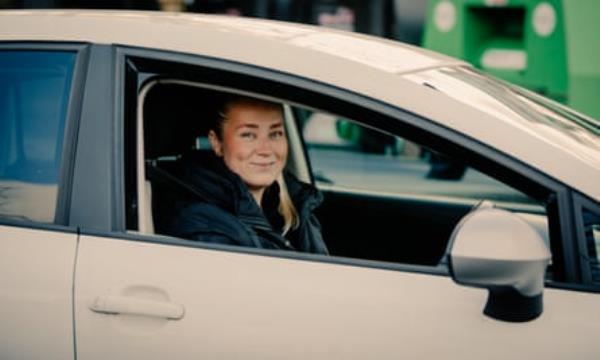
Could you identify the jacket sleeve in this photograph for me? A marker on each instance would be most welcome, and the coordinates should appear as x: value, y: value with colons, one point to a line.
x: 312, y: 237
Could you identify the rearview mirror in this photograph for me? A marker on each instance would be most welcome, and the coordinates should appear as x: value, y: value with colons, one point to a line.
x: 497, y: 250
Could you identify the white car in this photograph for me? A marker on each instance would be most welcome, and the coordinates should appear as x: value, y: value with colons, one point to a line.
x: 462, y: 213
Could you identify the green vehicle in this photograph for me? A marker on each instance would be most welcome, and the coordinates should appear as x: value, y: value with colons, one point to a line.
x: 548, y: 46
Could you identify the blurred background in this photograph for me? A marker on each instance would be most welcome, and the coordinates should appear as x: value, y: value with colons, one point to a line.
x: 374, y: 17
x: 548, y: 46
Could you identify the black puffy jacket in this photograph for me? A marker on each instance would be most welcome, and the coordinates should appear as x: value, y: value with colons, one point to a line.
x: 226, y: 212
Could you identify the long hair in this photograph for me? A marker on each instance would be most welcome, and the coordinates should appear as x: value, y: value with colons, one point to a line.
x: 291, y: 218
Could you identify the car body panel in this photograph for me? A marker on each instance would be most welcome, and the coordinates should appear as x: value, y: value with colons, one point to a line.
x: 279, y: 46
x: 36, y: 288
x: 266, y: 307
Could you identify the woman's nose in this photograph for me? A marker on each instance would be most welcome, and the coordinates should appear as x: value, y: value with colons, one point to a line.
x: 264, y: 146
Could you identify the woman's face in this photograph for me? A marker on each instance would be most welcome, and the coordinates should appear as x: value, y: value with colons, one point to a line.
x: 254, y: 143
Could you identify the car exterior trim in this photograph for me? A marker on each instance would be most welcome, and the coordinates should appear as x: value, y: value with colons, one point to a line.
x: 38, y: 226
x: 71, y: 136
x: 560, y: 205
x: 118, y: 147
x: 579, y: 203
x: 93, y: 195
x: 440, y: 270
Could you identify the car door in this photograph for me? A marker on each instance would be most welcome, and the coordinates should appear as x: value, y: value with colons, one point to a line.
x: 38, y: 96
x: 143, y: 299
x: 139, y: 294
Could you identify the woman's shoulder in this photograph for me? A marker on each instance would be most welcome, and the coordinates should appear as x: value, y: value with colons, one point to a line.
x: 302, y: 193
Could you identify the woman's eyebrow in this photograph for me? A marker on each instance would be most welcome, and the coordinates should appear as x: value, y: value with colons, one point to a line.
x: 256, y: 126
x: 247, y: 125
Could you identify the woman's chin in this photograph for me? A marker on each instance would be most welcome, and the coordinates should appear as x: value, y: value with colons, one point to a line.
x: 257, y: 182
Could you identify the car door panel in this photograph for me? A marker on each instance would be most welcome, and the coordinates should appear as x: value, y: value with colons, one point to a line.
x: 239, y: 305
x: 36, y: 286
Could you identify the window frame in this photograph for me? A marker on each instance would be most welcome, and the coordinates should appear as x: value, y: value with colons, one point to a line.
x: 387, y: 117
x: 581, y: 202
x: 70, y: 131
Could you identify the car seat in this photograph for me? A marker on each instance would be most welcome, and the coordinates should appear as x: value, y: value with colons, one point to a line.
x: 173, y: 125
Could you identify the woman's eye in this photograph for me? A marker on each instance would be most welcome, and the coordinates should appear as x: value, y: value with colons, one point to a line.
x: 276, y: 134
x: 248, y: 135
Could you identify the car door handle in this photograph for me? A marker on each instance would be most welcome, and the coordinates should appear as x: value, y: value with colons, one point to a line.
x: 134, y: 306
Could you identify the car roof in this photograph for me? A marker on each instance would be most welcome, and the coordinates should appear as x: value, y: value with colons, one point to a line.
x: 374, y: 67
x: 210, y: 34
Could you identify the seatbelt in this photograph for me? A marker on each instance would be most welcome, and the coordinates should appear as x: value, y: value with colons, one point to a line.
x: 154, y: 170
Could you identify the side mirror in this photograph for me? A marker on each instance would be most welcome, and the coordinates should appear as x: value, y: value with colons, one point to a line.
x: 495, y: 249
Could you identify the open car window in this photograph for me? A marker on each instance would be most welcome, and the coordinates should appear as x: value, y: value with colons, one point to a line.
x: 346, y: 154
x: 394, y: 199
x: 386, y: 198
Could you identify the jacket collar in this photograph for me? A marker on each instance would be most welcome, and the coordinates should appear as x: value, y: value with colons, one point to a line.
x: 224, y: 188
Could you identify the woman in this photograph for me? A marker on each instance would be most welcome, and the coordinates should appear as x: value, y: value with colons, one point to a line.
x: 246, y: 198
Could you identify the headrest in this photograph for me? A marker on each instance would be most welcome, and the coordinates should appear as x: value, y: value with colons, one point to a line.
x: 175, y: 116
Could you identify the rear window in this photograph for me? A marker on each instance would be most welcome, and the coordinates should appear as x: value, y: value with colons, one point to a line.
x: 35, y: 88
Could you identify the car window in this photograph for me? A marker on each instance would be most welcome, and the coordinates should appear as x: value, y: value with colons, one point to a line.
x: 346, y: 154
x: 390, y: 198
x: 34, y: 96
x: 410, y: 195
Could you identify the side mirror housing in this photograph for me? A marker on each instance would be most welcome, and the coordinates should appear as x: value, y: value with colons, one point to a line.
x: 497, y: 250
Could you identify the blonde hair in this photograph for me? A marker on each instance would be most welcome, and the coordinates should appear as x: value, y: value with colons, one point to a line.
x: 291, y: 218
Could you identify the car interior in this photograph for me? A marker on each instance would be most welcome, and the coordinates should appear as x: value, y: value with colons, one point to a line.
x: 355, y: 224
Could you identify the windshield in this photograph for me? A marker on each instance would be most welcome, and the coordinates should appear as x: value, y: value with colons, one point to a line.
x: 530, y: 112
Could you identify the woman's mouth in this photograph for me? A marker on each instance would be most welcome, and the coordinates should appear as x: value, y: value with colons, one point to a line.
x: 263, y: 165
